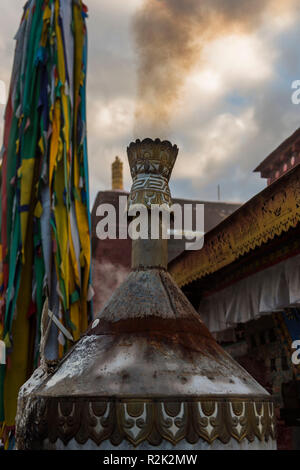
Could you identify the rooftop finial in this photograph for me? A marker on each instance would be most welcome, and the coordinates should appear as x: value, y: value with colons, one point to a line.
x: 117, y: 174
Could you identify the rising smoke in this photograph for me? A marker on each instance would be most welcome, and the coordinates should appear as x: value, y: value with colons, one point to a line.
x: 107, y: 277
x: 169, y: 36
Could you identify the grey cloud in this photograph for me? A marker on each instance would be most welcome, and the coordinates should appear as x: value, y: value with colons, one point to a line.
x: 113, y: 76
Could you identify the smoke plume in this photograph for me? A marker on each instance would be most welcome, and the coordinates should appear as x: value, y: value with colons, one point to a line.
x: 169, y: 36
x: 107, y: 277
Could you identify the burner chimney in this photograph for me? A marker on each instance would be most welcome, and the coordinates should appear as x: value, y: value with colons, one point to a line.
x: 151, y: 164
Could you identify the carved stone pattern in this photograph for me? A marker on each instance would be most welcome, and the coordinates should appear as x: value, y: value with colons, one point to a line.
x: 151, y: 421
x: 148, y: 190
x: 154, y: 157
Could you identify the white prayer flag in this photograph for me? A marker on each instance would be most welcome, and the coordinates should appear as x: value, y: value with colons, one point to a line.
x: 2, y: 352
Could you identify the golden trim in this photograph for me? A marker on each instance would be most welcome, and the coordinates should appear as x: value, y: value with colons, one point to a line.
x: 270, y: 213
x: 149, y: 420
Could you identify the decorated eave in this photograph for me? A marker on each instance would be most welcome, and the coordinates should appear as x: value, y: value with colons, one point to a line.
x: 267, y: 216
x: 285, y: 157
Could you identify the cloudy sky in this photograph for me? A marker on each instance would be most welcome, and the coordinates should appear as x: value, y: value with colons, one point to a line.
x: 233, y: 101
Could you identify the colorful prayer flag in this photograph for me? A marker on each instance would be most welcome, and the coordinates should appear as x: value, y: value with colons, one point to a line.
x: 45, y: 247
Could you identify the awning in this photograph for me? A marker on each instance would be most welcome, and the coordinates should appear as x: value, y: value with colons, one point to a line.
x: 267, y: 291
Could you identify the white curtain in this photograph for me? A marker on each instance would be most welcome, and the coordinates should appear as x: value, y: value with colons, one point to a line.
x: 262, y: 293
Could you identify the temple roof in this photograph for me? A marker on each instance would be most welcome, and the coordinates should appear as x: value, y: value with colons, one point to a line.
x: 267, y: 215
x: 215, y: 212
x: 285, y: 157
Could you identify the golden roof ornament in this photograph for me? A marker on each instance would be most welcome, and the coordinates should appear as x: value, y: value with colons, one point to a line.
x: 117, y: 175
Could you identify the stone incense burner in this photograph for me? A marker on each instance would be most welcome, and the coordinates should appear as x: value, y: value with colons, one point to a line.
x: 147, y: 373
